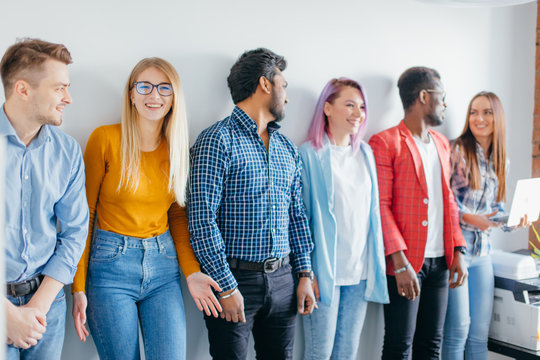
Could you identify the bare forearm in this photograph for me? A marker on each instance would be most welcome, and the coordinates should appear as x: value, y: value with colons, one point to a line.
x: 399, y: 259
x: 45, y: 294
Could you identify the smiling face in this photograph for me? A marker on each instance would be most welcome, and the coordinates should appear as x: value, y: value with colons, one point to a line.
x: 153, y: 106
x: 50, y: 96
x: 481, y: 120
x: 345, y: 114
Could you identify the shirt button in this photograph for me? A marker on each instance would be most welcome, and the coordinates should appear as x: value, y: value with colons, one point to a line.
x: 273, y: 206
x: 26, y: 177
x: 25, y: 231
x: 424, y: 223
x: 426, y: 201
x: 24, y: 203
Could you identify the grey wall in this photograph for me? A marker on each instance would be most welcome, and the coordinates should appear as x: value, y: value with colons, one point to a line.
x: 372, y: 41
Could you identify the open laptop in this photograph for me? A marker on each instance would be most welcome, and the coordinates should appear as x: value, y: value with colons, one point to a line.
x: 526, y: 200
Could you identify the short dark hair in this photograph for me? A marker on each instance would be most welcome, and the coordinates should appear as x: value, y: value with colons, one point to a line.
x: 414, y: 80
x: 28, y: 55
x: 250, y: 66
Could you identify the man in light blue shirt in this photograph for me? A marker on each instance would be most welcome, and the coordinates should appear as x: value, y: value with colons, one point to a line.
x: 46, y: 210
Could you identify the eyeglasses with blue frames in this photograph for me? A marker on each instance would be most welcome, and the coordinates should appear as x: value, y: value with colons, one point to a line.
x: 146, y: 88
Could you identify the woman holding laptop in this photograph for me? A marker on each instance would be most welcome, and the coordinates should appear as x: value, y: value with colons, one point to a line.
x: 478, y: 179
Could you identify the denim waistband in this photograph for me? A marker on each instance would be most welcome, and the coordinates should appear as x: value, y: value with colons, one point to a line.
x: 154, y: 242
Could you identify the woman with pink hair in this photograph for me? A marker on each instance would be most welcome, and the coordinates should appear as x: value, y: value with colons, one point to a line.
x: 342, y: 202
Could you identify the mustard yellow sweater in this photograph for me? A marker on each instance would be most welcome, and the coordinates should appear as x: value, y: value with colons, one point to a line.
x: 146, y: 212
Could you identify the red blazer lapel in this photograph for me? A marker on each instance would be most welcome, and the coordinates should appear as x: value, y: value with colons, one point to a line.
x: 443, y: 154
x: 418, y: 167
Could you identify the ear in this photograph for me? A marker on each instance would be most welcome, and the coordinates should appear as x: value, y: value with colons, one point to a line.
x: 327, y: 108
x: 131, y: 95
x: 422, y: 97
x: 22, y: 88
x: 265, y: 84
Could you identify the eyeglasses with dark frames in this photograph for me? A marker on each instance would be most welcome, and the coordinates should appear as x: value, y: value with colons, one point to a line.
x: 439, y: 91
x: 145, y: 88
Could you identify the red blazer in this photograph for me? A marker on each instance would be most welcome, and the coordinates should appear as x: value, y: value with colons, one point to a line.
x: 403, y: 196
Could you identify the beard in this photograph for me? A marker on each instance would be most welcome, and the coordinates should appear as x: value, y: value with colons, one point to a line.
x: 435, y: 119
x: 277, y: 108
x: 436, y: 116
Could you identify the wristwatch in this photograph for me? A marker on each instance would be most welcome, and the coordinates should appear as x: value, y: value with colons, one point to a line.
x: 305, y: 274
x: 461, y: 249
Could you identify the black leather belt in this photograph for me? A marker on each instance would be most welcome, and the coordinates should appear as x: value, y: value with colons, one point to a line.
x: 267, y: 266
x: 25, y: 287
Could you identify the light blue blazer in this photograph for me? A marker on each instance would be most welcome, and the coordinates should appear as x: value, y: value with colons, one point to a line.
x: 318, y: 193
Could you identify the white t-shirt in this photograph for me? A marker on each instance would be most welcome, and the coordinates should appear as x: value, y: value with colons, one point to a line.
x: 352, y: 203
x: 435, y: 220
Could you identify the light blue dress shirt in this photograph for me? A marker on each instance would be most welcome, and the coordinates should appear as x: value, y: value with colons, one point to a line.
x: 44, y: 188
x: 318, y: 194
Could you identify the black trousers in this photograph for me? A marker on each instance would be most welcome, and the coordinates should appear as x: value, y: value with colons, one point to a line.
x: 270, y: 309
x: 420, y: 322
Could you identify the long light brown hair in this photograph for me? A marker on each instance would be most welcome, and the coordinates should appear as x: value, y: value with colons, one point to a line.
x: 174, y: 129
x: 467, y: 145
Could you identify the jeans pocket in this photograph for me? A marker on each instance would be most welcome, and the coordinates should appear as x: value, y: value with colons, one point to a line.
x: 104, y: 251
x: 61, y: 296
x: 169, y: 251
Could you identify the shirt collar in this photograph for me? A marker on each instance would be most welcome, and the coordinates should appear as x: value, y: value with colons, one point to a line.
x: 5, y: 126
x: 6, y: 129
x: 480, y: 153
x: 249, y: 123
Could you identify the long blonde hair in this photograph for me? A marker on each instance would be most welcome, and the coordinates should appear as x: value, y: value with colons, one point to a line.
x: 174, y: 129
x: 467, y: 145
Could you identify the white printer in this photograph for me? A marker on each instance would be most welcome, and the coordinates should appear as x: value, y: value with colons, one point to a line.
x: 516, y: 306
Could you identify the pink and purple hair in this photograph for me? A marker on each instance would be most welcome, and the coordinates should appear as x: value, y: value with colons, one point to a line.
x: 319, y: 122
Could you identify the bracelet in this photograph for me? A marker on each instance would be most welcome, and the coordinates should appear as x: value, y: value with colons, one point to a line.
x: 229, y: 295
x: 400, y: 270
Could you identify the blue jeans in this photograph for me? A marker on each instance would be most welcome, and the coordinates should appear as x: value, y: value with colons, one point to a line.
x: 333, y: 332
x: 469, y: 313
x: 134, y: 281
x: 418, y: 324
x: 50, y: 345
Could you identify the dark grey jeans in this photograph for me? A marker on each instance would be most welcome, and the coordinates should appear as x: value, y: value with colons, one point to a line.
x: 270, y: 310
x: 417, y: 323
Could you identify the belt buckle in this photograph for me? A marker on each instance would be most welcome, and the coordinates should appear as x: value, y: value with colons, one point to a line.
x: 270, y: 265
x: 12, y: 290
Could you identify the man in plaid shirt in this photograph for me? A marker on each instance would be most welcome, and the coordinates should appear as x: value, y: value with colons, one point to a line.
x: 247, y: 220
x: 423, y: 243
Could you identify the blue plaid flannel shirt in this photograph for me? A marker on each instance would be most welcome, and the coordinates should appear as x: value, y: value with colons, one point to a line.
x: 245, y: 202
x: 481, y: 201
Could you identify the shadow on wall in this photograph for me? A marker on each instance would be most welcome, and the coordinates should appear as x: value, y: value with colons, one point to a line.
x: 379, y: 93
x: 298, y: 113
x: 96, y: 94
x: 215, y: 96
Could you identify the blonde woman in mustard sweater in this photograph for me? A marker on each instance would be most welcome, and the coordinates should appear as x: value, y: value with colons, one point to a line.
x: 136, y: 174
